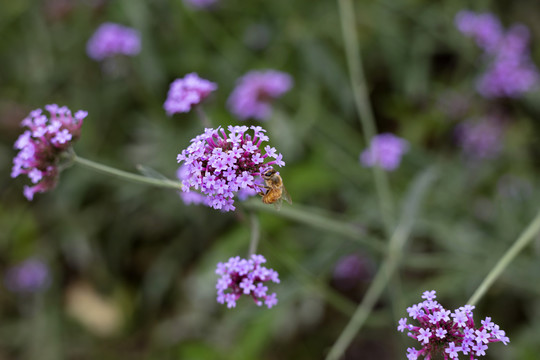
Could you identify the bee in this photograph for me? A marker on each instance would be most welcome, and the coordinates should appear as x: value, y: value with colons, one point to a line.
x: 275, y: 190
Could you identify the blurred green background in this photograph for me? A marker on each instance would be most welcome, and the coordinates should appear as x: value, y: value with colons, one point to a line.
x: 132, y: 267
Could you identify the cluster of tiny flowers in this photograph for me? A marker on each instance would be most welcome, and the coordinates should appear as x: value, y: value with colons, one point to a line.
x: 112, y: 39
x: 220, y: 164
x: 186, y: 92
x: 448, y: 333
x: 254, y: 91
x: 247, y: 277
x: 385, y: 151
x: 510, y: 71
x: 40, y: 146
x: 480, y: 138
x: 30, y: 276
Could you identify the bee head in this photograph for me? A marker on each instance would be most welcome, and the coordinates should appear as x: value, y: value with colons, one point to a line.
x: 267, y: 174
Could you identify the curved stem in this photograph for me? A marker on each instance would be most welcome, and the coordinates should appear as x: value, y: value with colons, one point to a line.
x: 523, y: 240
x: 363, y: 106
x: 164, y: 183
x: 255, y: 233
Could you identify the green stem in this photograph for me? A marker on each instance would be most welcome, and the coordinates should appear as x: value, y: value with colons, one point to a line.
x: 395, y: 246
x: 523, y: 240
x: 205, y: 120
x: 363, y: 106
x: 164, y: 183
x: 255, y: 233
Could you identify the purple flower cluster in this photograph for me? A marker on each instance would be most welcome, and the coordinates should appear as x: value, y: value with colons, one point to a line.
x: 247, y: 277
x: 480, y: 138
x: 385, y: 151
x: 186, y: 92
x: 30, y: 276
x: 254, y: 91
x: 111, y: 39
x: 41, y: 145
x: 448, y: 333
x: 510, y: 71
x: 220, y: 164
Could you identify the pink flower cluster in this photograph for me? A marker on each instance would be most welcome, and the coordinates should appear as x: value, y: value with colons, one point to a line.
x: 186, y: 92
x: 41, y: 145
x: 510, y: 71
x: 245, y: 277
x: 220, y: 164
x: 111, y: 39
x: 252, y: 96
x: 385, y: 151
x: 448, y: 333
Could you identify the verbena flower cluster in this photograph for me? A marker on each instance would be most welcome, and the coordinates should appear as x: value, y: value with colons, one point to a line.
x: 221, y: 163
x: 29, y: 276
x: 252, y: 96
x: 385, y: 151
x: 41, y: 145
x: 510, y: 71
x: 112, y: 39
x: 446, y: 333
x: 481, y: 138
x: 186, y: 92
x: 245, y: 277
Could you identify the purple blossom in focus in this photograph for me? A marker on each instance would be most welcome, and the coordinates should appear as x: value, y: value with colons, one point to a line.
x: 187, y: 92
x: 221, y: 164
x: 385, y: 151
x: 42, y: 143
x: 112, y: 39
x: 446, y: 333
x: 480, y: 138
x: 32, y: 275
x: 510, y: 71
x: 252, y: 96
x: 245, y: 277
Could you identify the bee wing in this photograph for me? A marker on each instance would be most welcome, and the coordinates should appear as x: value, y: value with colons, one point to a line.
x: 285, y: 195
x: 278, y: 203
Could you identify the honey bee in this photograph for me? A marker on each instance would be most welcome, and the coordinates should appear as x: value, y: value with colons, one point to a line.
x: 275, y: 190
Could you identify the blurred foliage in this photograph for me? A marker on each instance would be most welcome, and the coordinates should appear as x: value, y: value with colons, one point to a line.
x: 133, y: 267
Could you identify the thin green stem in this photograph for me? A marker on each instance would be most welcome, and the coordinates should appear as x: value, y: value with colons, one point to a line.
x: 363, y: 106
x: 255, y: 233
x: 205, y: 120
x: 124, y: 175
x: 389, y: 265
x: 523, y: 240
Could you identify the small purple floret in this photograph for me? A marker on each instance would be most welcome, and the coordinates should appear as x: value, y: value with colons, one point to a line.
x: 112, y: 39
x: 385, y: 151
x: 186, y: 92
x: 30, y: 276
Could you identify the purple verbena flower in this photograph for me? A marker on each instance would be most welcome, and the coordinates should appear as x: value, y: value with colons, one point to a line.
x: 350, y: 270
x: 112, y: 39
x: 220, y: 164
x: 245, y: 277
x: 448, y: 336
x: 186, y: 92
x: 251, y: 98
x: 510, y: 71
x: 29, y: 276
x: 42, y: 143
x: 480, y: 138
x: 385, y: 151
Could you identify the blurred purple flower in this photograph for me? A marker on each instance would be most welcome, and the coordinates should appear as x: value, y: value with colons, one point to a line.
x: 350, y: 270
x: 480, y: 138
x: 447, y: 333
x: 30, y: 276
x: 253, y: 93
x: 221, y: 164
x: 41, y: 145
x: 201, y: 4
x: 510, y: 71
x: 246, y: 277
x: 385, y: 150
x: 186, y: 92
x: 112, y: 39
